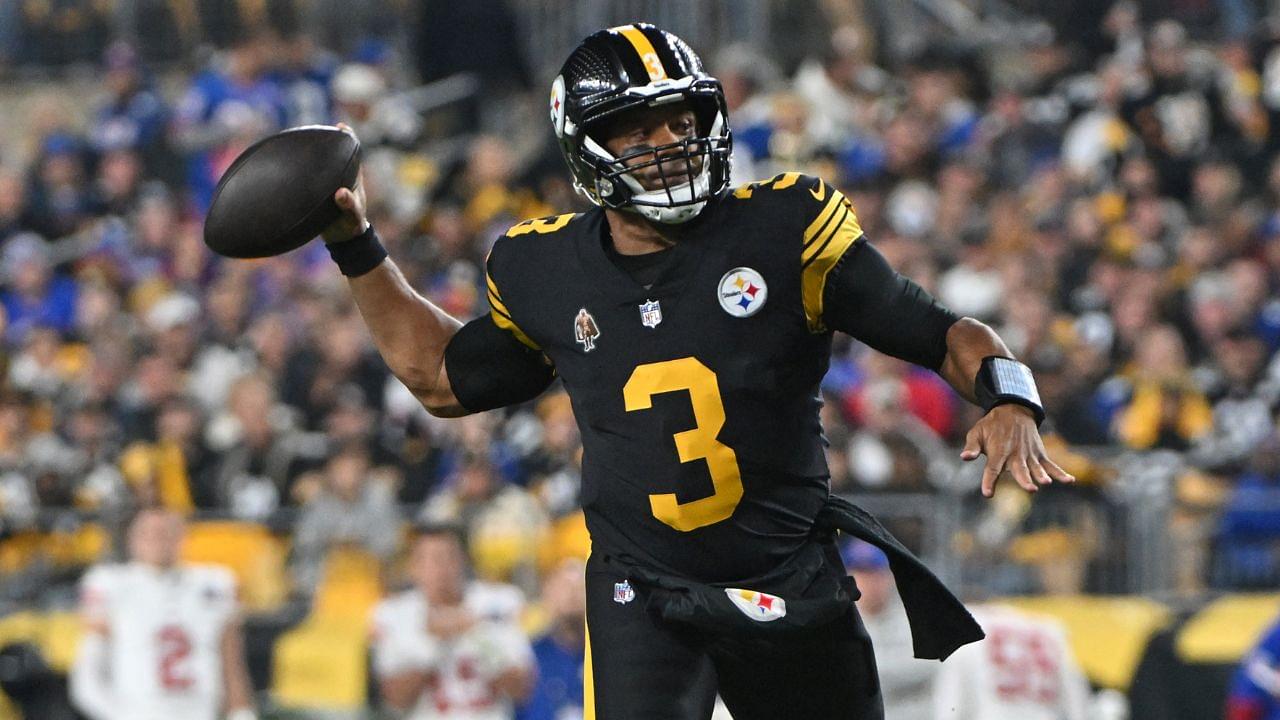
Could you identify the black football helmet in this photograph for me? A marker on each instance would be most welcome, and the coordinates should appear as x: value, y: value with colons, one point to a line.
x: 628, y: 67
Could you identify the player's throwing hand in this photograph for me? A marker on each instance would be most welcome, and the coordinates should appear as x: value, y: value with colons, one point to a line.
x: 1009, y: 438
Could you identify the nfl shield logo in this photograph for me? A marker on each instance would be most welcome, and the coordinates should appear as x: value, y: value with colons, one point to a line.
x: 650, y: 313
x: 623, y: 593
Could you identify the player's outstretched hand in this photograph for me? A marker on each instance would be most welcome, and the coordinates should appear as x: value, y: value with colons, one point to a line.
x: 1009, y: 438
x: 352, y: 203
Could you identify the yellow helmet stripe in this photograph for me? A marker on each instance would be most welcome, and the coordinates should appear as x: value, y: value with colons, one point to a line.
x: 645, y: 50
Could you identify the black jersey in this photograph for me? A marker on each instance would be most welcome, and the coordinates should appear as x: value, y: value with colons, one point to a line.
x: 697, y: 398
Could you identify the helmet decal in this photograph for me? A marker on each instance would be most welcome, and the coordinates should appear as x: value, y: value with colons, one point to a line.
x: 557, y: 106
x: 644, y: 48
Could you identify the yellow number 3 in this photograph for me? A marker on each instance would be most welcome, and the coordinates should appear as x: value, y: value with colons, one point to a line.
x: 700, y: 443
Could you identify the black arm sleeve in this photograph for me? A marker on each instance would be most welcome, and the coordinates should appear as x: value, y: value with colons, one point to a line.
x: 866, y: 298
x: 488, y: 368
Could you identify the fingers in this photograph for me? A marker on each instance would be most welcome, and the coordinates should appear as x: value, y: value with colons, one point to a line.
x: 995, y: 465
x: 1038, y: 473
x: 972, y: 446
x: 1022, y: 475
x: 1056, y: 472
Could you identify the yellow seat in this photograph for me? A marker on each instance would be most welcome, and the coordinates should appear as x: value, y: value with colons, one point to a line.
x: 1227, y: 628
x: 1107, y: 634
x: 350, y: 586
x: 56, y: 634
x: 250, y: 551
x: 322, y: 664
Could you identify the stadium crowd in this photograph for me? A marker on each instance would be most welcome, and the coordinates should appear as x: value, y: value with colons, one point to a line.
x: 1108, y: 199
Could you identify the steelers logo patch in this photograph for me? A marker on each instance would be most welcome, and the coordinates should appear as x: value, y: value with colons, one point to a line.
x: 742, y: 292
x: 557, y: 106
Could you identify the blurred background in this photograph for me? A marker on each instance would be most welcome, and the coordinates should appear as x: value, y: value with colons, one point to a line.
x: 1097, y: 180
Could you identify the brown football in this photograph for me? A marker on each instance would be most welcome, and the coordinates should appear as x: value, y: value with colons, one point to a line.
x: 278, y: 194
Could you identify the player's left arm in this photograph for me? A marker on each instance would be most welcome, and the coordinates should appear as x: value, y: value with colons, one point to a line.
x: 863, y: 296
x: 237, y: 688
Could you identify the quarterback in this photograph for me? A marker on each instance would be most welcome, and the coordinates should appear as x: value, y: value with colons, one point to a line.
x: 690, y: 323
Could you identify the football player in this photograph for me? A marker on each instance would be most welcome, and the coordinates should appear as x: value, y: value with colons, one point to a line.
x: 449, y: 649
x: 691, y: 324
x: 161, y: 640
x: 1022, y: 670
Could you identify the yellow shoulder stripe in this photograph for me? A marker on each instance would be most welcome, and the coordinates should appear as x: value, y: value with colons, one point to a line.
x: 826, y: 240
x: 819, y: 223
x: 502, y: 316
x: 785, y: 180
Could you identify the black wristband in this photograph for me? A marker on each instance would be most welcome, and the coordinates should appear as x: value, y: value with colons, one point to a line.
x: 1005, y: 381
x: 359, y: 255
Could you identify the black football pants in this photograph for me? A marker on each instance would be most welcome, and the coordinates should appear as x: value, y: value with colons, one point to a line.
x: 640, y: 667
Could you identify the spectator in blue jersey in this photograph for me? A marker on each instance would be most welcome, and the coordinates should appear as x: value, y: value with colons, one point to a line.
x: 227, y: 106
x: 302, y: 70
x: 33, y: 296
x: 1255, y: 689
x: 560, y: 652
x: 133, y: 115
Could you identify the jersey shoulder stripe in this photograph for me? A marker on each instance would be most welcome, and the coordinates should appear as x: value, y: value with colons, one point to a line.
x: 502, y: 316
x: 828, y: 236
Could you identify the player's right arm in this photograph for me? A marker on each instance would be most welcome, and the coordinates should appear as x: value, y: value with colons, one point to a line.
x: 453, y: 369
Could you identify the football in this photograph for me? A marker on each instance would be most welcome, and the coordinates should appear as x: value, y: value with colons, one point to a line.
x: 278, y: 194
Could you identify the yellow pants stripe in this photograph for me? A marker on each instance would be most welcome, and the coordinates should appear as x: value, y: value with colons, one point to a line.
x: 588, y: 683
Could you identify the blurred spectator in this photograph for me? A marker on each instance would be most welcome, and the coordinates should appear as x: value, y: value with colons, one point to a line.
x: 561, y: 651
x: 34, y: 295
x: 133, y: 116
x: 894, y: 450
x: 351, y: 507
x: 303, y: 71
x: 61, y: 197
x: 227, y: 106
x: 1163, y: 408
x: 503, y: 522
x: 450, y: 648
x: 254, y: 447
x: 163, y: 473
x: 1249, y: 530
x: 315, y: 378
x: 906, y: 683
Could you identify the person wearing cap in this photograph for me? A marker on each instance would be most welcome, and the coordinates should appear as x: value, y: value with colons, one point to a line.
x: 906, y: 682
